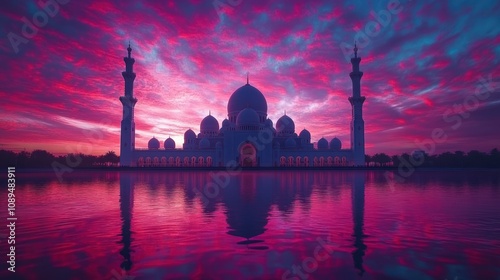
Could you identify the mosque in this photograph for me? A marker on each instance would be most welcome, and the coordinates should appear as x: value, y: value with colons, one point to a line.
x: 246, y: 137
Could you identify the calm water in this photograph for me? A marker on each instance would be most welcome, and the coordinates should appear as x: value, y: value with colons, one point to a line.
x: 257, y: 225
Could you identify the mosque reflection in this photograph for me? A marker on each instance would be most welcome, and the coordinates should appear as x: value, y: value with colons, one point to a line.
x: 247, y: 203
x: 246, y: 200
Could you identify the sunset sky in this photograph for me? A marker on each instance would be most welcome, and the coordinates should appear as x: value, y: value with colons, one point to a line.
x: 428, y: 65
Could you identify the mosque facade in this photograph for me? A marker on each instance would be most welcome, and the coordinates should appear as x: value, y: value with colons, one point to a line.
x: 247, y: 137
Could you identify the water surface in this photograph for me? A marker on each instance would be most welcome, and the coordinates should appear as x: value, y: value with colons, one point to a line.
x: 256, y: 225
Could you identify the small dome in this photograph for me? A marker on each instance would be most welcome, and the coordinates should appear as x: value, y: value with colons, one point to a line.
x: 204, y: 143
x: 247, y: 96
x: 247, y: 117
x: 269, y: 123
x: 290, y: 143
x: 209, y: 125
x: 305, y: 134
x: 226, y: 124
x: 335, y: 144
x: 322, y: 144
x: 285, y: 125
x: 189, y: 134
x: 169, y: 143
x: 153, y: 144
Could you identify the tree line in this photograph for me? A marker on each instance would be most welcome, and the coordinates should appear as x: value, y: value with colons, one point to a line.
x: 474, y: 158
x: 42, y: 159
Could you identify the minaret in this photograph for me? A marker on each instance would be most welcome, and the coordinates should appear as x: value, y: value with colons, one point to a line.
x: 127, y: 141
x: 357, y: 123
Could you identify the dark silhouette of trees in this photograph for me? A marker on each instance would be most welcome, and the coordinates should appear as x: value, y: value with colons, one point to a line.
x: 41, y: 158
x: 109, y: 158
x: 473, y: 158
x: 382, y: 159
x: 378, y: 160
x: 477, y: 158
x: 494, y: 157
x: 22, y: 159
x: 44, y: 159
x: 460, y: 159
x: 368, y: 159
x: 7, y: 157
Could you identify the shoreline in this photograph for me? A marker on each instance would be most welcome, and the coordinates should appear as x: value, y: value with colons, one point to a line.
x: 246, y: 169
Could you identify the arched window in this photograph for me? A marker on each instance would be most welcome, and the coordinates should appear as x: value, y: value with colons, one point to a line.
x: 315, y: 161
x: 186, y: 161
x: 178, y: 161
x: 298, y: 161
x: 306, y: 161
x: 193, y: 161
x: 171, y: 161
x: 201, y: 161
x: 282, y: 161
x: 329, y: 161
x: 290, y: 161
x: 209, y: 161
x: 344, y: 161
x: 336, y: 161
x: 163, y: 161
x: 141, y: 162
x: 148, y: 162
x: 321, y: 161
x: 156, y: 161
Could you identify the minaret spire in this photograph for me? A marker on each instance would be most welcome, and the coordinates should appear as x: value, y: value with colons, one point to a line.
x: 357, y: 122
x: 129, y: 49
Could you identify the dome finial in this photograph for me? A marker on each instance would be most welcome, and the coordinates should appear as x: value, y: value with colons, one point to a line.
x: 285, y: 113
x: 129, y: 49
x: 209, y: 113
x: 247, y: 78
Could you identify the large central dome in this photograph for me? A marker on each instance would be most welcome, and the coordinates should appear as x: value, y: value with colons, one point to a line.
x: 247, y: 96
